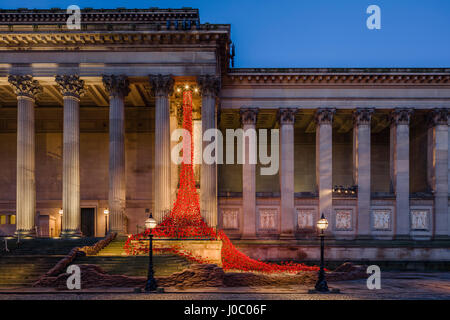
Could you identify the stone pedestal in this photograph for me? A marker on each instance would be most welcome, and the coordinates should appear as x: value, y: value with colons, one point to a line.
x: 71, y: 88
x: 118, y: 89
x: 438, y: 148
x: 399, y: 146
x: 324, y: 162
x: 288, y: 219
x: 209, y: 87
x: 162, y: 87
x: 26, y: 89
x: 248, y: 119
x: 361, y: 168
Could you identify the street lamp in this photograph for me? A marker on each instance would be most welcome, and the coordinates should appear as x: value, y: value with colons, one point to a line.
x: 106, y: 212
x: 321, y: 284
x: 150, y: 224
x: 60, y: 217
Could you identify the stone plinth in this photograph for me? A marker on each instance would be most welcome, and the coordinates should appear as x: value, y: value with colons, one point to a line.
x: 206, y: 250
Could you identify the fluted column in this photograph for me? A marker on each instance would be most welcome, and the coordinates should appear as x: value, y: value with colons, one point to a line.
x: 173, y: 165
x: 162, y: 87
x: 71, y: 88
x: 361, y: 167
x: 118, y: 89
x: 209, y: 87
x: 248, y: 119
x: 324, y: 161
x: 399, y: 146
x: 26, y: 90
x: 288, y: 220
x: 438, y: 168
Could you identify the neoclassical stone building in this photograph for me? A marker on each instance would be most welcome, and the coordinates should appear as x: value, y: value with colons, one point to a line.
x: 86, y: 117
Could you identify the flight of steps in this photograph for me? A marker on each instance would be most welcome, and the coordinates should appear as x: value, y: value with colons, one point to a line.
x: 27, y: 260
x: 23, y: 271
x: 113, y: 260
x: 44, y: 247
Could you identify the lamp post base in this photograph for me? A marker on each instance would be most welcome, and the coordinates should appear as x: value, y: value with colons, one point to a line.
x: 332, y: 291
x: 151, y: 285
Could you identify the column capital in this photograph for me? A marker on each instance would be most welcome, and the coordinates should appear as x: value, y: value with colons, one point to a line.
x: 162, y: 85
x: 438, y: 116
x: 25, y: 86
x: 70, y: 85
x: 362, y: 116
x: 116, y: 85
x: 248, y: 115
x: 209, y: 85
x: 401, y: 116
x: 324, y: 116
x: 287, y: 115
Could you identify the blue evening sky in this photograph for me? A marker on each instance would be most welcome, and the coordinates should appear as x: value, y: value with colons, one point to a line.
x: 313, y: 33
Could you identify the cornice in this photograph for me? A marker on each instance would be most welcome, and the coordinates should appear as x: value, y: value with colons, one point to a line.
x: 338, y: 76
x: 98, y: 16
x: 19, y: 40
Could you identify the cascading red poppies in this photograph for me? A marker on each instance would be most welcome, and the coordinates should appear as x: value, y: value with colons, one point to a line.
x: 185, y: 220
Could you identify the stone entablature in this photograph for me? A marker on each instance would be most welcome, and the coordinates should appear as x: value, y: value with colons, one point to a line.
x: 59, y: 16
x: 350, y: 76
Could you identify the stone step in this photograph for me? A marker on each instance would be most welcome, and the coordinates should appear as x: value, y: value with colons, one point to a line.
x: 21, y: 271
x: 136, y: 265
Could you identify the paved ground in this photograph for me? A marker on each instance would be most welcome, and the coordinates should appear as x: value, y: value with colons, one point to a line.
x: 393, y: 286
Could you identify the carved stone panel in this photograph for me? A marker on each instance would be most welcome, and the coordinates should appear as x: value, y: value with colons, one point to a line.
x: 420, y: 219
x: 381, y: 219
x: 305, y: 218
x: 343, y: 220
x: 230, y: 218
x: 268, y: 218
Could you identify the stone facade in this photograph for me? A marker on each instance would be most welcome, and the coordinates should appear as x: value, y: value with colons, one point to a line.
x: 369, y: 148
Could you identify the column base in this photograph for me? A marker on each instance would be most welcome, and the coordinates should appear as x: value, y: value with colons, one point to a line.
x: 71, y: 234
x: 25, y: 234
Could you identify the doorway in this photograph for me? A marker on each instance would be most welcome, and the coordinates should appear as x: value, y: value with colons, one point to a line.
x: 88, y: 222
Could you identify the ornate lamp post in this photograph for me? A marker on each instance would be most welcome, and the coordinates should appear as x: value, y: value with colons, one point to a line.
x: 61, y: 220
x: 150, y: 224
x: 321, y: 284
x: 106, y: 212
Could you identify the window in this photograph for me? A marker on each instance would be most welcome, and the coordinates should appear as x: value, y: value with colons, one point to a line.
x: 12, y: 219
x: 2, y: 219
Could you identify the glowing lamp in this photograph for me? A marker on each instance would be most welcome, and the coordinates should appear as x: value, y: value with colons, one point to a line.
x: 106, y: 212
x: 61, y: 212
x: 322, y: 224
x: 150, y: 223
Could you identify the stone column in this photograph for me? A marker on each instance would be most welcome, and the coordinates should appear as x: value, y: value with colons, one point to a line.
x: 117, y: 88
x: 437, y: 168
x: 26, y: 90
x: 173, y: 166
x: 324, y: 162
x: 209, y: 88
x: 288, y: 223
x: 71, y: 88
x: 248, y: 119
x: 399, y: 146
x: 361, y: 168
x: 162, y: 87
